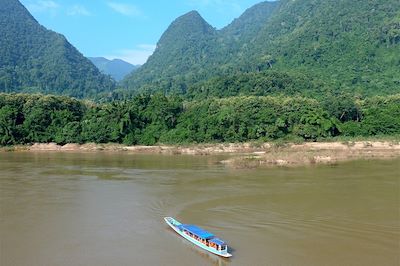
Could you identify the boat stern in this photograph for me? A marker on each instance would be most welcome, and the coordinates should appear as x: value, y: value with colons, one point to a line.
x: 226, y: 255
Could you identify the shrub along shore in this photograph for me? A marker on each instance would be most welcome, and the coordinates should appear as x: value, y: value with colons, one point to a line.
x: 262, y: 129
x: 154, y: 119
x: 252, y: 131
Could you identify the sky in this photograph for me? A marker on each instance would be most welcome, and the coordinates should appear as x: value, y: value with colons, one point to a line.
x: 126, y: 29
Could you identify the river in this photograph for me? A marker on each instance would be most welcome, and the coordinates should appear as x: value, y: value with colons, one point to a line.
x: 108, y: 209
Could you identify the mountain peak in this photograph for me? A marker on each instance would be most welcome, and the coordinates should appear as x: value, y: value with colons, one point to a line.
x: 33, y: 58
x: 190, y: 17
x: 310, y: 36
x: 13, y: 12
x: 191, y: 22
x: 193, y: 13
x: 186, y: 28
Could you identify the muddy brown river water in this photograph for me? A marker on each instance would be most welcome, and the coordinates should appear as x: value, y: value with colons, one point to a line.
x: 108, y: 209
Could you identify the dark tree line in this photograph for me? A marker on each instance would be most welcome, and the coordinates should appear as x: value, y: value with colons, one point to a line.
x: 151, y: 119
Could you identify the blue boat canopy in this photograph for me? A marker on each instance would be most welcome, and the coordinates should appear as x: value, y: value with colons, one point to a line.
x: 197, y: 231
x: 218, y: 241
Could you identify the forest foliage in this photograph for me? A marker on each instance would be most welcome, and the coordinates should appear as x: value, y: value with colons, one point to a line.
x: 34, y: 59
x: 296, y: 70
x: 350, y: 45
x: 155, y: 119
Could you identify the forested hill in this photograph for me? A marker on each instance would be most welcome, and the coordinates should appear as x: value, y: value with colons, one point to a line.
x: 191, y: 50
x: 246, y: 28
x: 347, y: 45
x: 185, y: 47
x: 353, y: 44
x: 34, y: 59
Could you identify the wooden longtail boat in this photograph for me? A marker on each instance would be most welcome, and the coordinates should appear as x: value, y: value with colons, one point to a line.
x: 199, y: 237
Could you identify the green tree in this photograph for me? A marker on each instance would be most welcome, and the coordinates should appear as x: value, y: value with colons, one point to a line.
x: 8, y: 128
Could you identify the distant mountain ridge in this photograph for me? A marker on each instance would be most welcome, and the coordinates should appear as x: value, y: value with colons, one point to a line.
x: 116, y: 68
x: 185, y: 45
x: 351, y: 45
x: 34, y: 59
x: 187, y: 50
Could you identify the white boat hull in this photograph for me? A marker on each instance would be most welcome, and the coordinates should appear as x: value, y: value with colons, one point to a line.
x: 174, y: 225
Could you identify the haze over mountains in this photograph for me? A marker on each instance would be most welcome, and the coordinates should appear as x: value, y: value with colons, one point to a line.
x: 284, y: 47
x: 116, y: 68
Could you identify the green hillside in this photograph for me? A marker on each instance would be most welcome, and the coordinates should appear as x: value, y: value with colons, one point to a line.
x: 185, y: 48
x: 191, y: 50
x: 245, y: 29
x: 34, y: 59
x: 347, y: 45
x: 353, y: 45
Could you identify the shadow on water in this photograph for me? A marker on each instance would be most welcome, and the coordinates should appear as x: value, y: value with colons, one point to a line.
x: 212, y: 258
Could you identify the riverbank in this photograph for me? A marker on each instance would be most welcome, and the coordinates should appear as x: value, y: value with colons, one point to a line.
x: 246, y: 155
x: 316, y: 153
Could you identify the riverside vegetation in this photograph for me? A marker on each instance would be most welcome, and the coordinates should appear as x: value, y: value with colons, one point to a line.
x: 283, y: 71
x: 148, y: 120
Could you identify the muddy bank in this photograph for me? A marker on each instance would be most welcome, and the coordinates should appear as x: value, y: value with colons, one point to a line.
x: 247, y: 155
x: 201, y: 149
x: 316, y: 153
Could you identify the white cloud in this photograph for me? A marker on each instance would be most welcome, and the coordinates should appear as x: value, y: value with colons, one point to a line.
x: 43, y: 6
x: 125, y: 9
x: 78, y: 10
x: 136, y: 56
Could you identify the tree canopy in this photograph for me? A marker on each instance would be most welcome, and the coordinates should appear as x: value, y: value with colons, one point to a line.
x: 148, y: 120
x: 352, y: 46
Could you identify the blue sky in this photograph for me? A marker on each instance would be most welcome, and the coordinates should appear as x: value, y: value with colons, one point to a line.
x: 126, y: 29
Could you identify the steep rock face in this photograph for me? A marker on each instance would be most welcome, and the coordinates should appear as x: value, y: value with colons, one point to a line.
x: 34, y: 59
